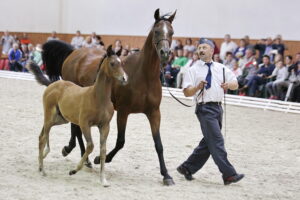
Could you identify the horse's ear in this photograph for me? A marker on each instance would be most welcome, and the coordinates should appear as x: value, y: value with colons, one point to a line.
x: 156, y: 15
x: 118, y: 53
x: 109, y: 51
x: 171, y: 18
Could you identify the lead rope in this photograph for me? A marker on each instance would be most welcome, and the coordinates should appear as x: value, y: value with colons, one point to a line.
x: 224, y: 105
x: 164, y: 81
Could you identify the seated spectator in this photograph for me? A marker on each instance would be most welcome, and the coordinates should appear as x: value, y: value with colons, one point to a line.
x: 241, y: 49
x: 248, y: 58
x: 118, y: 46
x: 248, y: 72
x: 124, y: 54
x: 53, y: 36
x: 25, y: 40
x: 216, y: 49
x: 184, y: 69
x: 216, y: 58
x: 227, y: 46
x: 37, y: 55
x: 94, y: 37
x: 229, y: 60
x: 25, y: 56
x: 179, y: 45
x: 14, y: 57
x: 236, y: 70
x: 261, y: 77
x: 87, y: 43
x: 295, y: 93
x: 172, y: 71
x: 278, y: 47
x: 281, y: 73
x: 189, y: 45
x: 77, y: 40
x: 99, y: 43
x: 6, y: 42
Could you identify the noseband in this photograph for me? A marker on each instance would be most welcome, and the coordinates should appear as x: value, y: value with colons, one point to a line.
x: 163, y: 39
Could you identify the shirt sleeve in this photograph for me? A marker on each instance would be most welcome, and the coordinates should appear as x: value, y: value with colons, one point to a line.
x: 229, y: 75
x: 188, y: 79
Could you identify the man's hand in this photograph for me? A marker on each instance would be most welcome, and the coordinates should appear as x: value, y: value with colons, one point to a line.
x: 201, y: 85
x: 225, y: 86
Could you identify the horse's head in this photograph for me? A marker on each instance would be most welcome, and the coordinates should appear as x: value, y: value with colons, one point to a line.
x: 162, y: 35
x: 114, y: 66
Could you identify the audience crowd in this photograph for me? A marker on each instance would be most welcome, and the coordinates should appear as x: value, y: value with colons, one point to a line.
x: 262, y: 69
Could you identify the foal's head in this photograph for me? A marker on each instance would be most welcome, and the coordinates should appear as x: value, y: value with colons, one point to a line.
x: 162, y: 35
x: 113, y: 66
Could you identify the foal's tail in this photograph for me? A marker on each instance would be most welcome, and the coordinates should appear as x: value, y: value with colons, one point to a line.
x: 38, y: 74
x: 54, y: 54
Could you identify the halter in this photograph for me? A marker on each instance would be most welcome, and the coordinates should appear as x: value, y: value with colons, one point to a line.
x: 156, y: 43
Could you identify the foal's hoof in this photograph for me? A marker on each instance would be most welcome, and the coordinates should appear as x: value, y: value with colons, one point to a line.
x: 97, y: 160
x: 72, y: 172
x: 64, y: 151
x: 169, y: 182
x: 88, y: 164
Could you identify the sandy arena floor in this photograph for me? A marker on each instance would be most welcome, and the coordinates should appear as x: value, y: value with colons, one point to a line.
x: 265, y: 145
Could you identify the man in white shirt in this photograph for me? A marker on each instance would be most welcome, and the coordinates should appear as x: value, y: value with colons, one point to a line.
x: 6, y: 41
x: 227, y: 46
x: 206, y: 81
x: 77, y: 40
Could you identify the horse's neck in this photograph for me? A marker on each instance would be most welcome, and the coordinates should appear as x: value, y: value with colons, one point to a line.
x: 149, y: 58
x: 102, y: 87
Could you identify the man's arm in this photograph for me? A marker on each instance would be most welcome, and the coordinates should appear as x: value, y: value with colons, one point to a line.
x: 232, y: 85
x: 191, y: 91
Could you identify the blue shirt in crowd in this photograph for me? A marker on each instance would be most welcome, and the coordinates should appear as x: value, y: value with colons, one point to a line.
x: 266, y: 70
x: 15, y: 55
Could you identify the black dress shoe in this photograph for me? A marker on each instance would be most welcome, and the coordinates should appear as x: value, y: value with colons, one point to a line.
x: 233, y: 179
x: 184, y: 171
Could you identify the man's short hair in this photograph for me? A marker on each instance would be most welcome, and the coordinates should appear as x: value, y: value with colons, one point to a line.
x: 266, y: 56
x: 229, y: 53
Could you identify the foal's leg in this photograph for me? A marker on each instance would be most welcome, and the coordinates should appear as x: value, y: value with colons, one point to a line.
x: 89, y: 148
x: 42, y: 143
x: 121, y: 122
x: 154, y: 119
x: 104, y: 130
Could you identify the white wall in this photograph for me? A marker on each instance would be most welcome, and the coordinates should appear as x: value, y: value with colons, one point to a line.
x: 211, y: 18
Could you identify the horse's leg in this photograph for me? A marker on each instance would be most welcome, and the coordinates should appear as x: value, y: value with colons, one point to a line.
x: 104, y: 130
x: 154, y: 119
x: 121, y: 123
x: 42, y: 143
x: 89, y: 148
x: 82, y: 148
x: 75, y: 130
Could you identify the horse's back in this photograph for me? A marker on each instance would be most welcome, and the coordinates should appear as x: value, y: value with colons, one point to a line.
x: 82, y: 65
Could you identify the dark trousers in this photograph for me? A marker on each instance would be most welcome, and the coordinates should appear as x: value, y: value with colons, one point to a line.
x: 210, y: 117
x: 17, y: 67
x: 254, y: 83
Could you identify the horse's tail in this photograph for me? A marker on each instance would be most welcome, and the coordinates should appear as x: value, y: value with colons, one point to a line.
x: 38, y: 74
x: 54, y: 54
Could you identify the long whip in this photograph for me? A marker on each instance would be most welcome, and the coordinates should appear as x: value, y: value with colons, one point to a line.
x: 224, y: 104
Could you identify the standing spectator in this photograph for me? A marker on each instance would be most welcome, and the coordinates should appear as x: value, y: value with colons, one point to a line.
x: 268, y: 49
x: 227, y: 46
x: 260, y: 47
x: 189, y: 45
x: 281, y: 73
x: 6, y: 41
x: 118, y: 46
x: 53, y: 36
x: 278, y: 46
x: 241, y: 49
x: 88, y: 42
x: 14, y: 57
x: 229, y: 60
x: 247, y: 41
x: 77, y: 41
x: 261, y: 77
x: 25, y: 40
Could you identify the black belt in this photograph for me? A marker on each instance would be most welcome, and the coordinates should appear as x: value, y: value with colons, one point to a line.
x: 209, y: 103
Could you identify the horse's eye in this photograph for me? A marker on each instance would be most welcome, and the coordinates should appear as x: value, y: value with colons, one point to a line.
x: 112, y: 64
x: 156, y: 32
x: 171, y: 33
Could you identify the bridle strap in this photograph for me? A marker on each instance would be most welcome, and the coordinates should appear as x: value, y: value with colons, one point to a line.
x: 156, y: 43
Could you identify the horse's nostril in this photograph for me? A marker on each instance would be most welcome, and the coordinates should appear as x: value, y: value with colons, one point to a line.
x: 162, y: 52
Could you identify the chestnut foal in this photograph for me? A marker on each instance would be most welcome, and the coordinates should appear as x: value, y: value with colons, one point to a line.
x: 84, y: 106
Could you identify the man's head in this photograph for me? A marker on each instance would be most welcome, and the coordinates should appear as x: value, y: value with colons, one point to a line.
x: 266, y: 60
x: 53, y: 34
x: 249, y: 53
x: 78, y: 33
x: 227, y: 38
x: 15, y: 46
x: 269, y: 41
x: 179, y: 52
x: 217, y: 58
x: 205, y: 49
x: 297, y: 57
x: 229, y: 56
x: 288, y: 60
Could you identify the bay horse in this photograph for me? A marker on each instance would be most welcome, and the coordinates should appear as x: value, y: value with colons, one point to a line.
x: 142, y: 94
x: 64, y: 102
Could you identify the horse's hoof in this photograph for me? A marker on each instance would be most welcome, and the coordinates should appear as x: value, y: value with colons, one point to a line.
x: 88, y: 164
x: 72, y: 172
x: 64, y: 151
x: 97, y: 160
x: 108, y: 159
x: 169, y: 182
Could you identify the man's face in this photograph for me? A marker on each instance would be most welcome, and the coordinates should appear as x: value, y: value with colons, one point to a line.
x: 248, y: 53
x: 297, y: 57
x: 227, y: 38
x: 205, y: 51
x: 78, y: 33
x: 179, y: 52
x: 266, y: 60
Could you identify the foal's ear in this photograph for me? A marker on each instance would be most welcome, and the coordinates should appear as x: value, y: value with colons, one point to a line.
x: 109, y: 51
x: 156, y: 15
x: 118, y: 53
x: 171, y: 18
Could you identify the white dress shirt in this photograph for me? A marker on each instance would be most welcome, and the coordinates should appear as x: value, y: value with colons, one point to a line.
x: 225, y: 47
x: 77, y: 42
x: 198, y: 72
